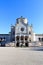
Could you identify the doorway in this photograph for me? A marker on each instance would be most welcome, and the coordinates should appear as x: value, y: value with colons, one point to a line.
x: 17, y: 44
x: 26, y: 44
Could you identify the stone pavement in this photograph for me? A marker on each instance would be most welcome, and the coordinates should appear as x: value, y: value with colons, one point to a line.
x: 20, y: 56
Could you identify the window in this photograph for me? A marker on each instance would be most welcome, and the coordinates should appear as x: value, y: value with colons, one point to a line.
x: 17, y: 38
x: 42, y: 39
x: 22, y: 29
x: 26, y: 38
x: 30, y: 40
x: 21, y: 37
x: 39, y: 39
x: 4, y: 37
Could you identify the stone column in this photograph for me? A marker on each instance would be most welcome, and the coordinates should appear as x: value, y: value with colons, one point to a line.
x: 24, y: 40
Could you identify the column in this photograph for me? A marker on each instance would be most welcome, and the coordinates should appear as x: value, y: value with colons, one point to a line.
x: 24, y: 40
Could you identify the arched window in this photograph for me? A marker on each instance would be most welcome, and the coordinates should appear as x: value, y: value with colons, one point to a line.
x: 30, y: 40
x: 42, y: 39
x: 26, y: 37
x: 22, y: 37
x: 39, y: 39
x: 17, y: 38
x: 4, y: 37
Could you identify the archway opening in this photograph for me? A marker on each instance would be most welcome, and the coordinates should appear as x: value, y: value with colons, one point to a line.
x: 26, y: 38
x: 26, y: 44
x: 22, y: 38
x: 17, y: 44
x: 17, y: 39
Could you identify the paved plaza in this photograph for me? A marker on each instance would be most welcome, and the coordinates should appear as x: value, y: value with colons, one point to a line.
x: 20, y: 56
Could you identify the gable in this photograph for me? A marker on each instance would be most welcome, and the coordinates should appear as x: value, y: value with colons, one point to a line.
x: 19, y: 26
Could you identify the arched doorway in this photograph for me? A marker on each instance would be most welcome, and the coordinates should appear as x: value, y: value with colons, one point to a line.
x: 17, y: 39
x: 22, y: 40
x: 17, y: 44
x: 26, y: 44
x: 26, y: 41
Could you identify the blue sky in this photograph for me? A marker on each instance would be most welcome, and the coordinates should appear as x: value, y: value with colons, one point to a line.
x: 12, y: 9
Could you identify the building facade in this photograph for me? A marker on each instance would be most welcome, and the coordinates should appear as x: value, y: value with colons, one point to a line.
x: 21, y: 34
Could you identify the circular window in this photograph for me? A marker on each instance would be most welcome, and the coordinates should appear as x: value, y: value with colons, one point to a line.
x: 22, y: 29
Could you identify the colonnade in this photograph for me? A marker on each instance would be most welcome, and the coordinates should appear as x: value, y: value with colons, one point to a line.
x: 22, y: 40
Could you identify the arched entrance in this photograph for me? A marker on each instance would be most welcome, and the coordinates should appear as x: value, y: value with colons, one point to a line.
x: 26, y: 41
x: 17, y: 39
x: 22, y: 40
x: 17, y: 44
x: 26, y: 44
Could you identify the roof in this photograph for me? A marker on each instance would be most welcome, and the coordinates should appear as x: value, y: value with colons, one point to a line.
x: 4, y: 34
x: 39, y: 34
